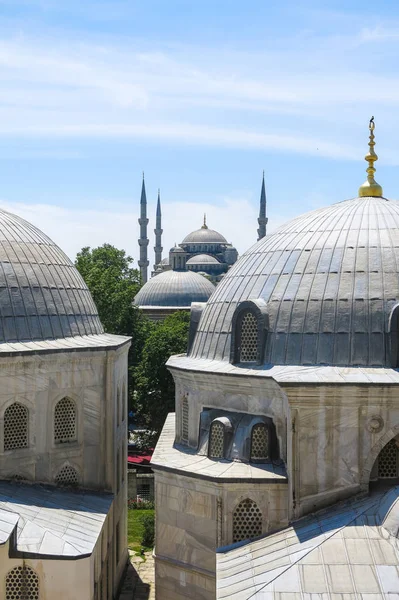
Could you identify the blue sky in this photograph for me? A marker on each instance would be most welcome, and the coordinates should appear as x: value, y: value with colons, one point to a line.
x: 202, y: 96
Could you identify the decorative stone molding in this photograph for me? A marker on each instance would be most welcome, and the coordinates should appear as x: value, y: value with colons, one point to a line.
x: 375, y: 424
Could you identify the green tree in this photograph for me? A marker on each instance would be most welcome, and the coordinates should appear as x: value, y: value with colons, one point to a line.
x: 155, y: 389
x: 113, y: 283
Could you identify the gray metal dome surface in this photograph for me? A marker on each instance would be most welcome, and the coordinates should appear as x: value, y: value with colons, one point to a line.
x: 329, y: 278
x: 174, y: 288
x: 203, y: 259
x: 204, y: 236
x: 42, y: 294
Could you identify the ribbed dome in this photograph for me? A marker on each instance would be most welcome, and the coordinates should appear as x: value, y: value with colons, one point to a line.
x: 174, y: 288
x: 203, y: 259
x: 204, y: 236
x: 42, y: 294
x: 330, y: 279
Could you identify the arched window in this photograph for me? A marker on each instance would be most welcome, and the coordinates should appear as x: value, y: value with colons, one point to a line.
x: 184, y: 420
x: 216, y: 440
x: 247, y: 521
x: 394, y: 336
x: 67, y: 476
x: 16, y: 418
x: 65, y: 421
x: 388, y: 461
x: 248, y: 348
x: 260, y: 442
x: 118, y: 406
x: 22, y: 583
x: 124, y: 401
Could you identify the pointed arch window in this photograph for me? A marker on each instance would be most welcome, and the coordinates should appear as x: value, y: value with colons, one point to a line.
x: 394, y: 337
x: 67, y: 476
x: 247, y: 521
x: 216, y: 440
x: 184, y: 420
x: 22, y: 583
x: 260, y: 442
x: 65, y: 421
x: 249, y: 328
x: 16, y: 419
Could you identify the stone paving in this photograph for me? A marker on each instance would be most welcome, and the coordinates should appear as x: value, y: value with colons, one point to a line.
x: 139, y: 582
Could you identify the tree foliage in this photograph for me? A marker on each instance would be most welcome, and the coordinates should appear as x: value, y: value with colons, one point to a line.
x: 155, y: 389
x: 113, y: 283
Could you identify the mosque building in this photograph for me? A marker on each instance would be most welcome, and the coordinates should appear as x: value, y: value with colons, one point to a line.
x: 63, y: 409
x: 271, y: 477
x: 178, y: 280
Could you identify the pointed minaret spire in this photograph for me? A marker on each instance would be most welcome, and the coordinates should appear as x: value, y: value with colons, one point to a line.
x: 158, y: 233
x: 143, y: 241
x: 262, y: 220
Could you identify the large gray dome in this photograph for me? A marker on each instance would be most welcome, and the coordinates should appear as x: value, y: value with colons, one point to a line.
x: 204, y: 236
x: 42, y: 294
x: 174, y: 288
x: 329, y: 278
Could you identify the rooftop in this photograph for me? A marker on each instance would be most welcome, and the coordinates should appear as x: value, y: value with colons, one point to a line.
x: 50, y: 521
x: 174, y: 289
x: 350, y: 551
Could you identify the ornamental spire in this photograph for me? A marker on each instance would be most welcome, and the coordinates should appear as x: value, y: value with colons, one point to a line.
x: 204, y: 226
x: 370, y: 187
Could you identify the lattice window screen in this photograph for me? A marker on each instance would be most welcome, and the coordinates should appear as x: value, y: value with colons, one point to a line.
x: 184, y: 420
x: 388, y: 461
x: 216, y: 440
x: 247, y: 521
x: 123, y: 402
x: 67, y: 476
x: 249, y: 338
x: 118, y: 406
x: 22, y: 583
x: 65, y: 421
x: 16, y: 419
x: 260, y: 442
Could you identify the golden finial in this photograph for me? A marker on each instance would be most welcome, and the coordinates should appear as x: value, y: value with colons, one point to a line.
x: 370, y: 187
x: 205, y: 226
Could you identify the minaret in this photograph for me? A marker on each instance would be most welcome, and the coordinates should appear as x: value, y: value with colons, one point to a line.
x: 158, y: 234
x: 262, y: 220
x: 143, y: 241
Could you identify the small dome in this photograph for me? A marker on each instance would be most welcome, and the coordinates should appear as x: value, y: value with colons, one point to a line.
x: 329, y: 279
x: 174, y: 288
x: 203, y: 259
x: 42, y: 294
x: 204, y: 236
x: 177, y: 250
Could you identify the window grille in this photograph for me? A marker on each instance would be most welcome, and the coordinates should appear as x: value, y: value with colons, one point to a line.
x: 124, y: 400
x: 67, y: 476
x: 184, y: 420
x: 65, y: 421
x: 143, y: 492
x: 216, y: 440
x: 388, y: 461
x: 22, y: 583
x: 118, y: 407
x: 249, y: 338
x: 16, y: 419
x: 260, y: 442
x: 247, y: 521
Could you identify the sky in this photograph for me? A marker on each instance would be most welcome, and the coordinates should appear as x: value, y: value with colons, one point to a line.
x: 200, y: 96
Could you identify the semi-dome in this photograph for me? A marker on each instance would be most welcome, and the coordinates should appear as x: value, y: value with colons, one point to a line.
x: 203, y: 259
x: 328, y: 281
x: 174, y: 289
x: 42, y: 294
